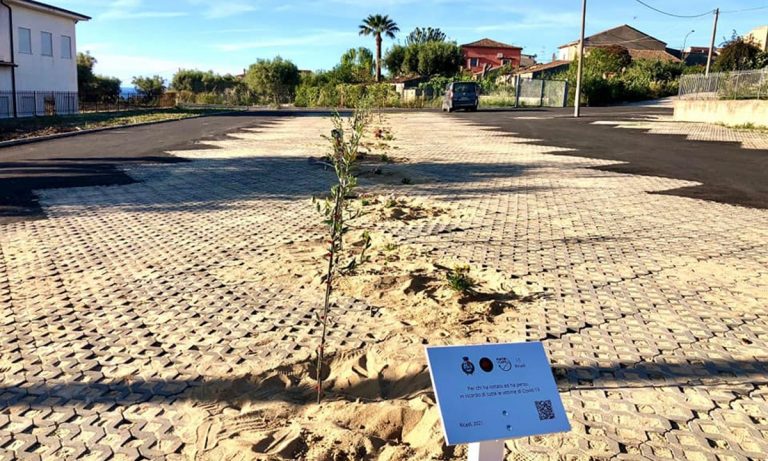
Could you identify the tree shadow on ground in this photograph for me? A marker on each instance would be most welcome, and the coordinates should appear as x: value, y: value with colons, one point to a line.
x: 286, y: 384
x: 213, y: 184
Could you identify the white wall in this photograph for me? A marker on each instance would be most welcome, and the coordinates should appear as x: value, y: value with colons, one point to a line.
x: 567, y: 54
x: 733, y: 113
x: 36, y: 72
x: 760, y: 37
x: 5, y: 45
x: 5, y: 79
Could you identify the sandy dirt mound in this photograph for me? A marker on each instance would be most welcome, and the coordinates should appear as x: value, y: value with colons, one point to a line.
x: 378, y: 403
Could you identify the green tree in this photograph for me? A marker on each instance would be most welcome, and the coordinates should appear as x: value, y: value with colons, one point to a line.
x: 274, y: 79
x: 85, y: 63
x: 357, y: 66
x: 92, y: 87
x: 377, y: 25
x: 105, y: 88
x: 420, y: 36
x: 393, y: 60
x: 607, y: 59
x: 150, y: 88
x: 739, y: 54
x: 198, y: 81
x: 439, y: 58
x: 428, y: 59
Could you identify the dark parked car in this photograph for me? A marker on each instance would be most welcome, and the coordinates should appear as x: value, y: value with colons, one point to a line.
x: 461, y: 95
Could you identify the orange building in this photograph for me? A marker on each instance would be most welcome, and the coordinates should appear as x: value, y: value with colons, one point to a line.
x: 487, y: 54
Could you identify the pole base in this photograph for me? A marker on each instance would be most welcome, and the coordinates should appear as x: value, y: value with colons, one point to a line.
x: 486, y: 451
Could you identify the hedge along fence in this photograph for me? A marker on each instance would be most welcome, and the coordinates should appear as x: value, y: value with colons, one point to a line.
x: 346, y: 95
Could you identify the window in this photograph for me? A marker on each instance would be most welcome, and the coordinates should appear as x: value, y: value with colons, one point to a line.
x: 504, y: 62
x: 25, y: 40
x: 66, y: 47
x: 473, y: 62
x: 46, y: 43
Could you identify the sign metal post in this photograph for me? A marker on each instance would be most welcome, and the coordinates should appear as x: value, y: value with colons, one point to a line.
x: 486, y: 451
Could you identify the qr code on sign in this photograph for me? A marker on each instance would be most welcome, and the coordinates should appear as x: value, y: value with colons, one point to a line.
x: 544, y: 407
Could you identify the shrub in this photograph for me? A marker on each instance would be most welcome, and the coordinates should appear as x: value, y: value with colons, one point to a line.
x: 608, y: 79
x: 346, y: 95
x: 459, y: 280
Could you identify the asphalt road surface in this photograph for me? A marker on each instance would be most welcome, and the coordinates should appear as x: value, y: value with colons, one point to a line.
x: 728, y: 173
x: 95, y: 159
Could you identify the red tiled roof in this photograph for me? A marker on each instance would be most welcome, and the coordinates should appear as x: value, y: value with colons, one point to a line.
x: 549, y: 65
x: 488, y: 43
x: 653, y: 55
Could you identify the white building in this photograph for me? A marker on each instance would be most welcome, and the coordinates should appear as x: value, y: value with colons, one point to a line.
x: 759, y: 36
x: 38, y: 59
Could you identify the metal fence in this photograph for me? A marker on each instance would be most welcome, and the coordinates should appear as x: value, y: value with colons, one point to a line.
x: 543, y: 93
x: 49, y: 103
x: 38, y: 103
x: 746, y: 84
x: 127, y: 103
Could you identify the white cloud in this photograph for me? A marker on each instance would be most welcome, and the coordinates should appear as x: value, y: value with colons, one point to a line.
x: 227, y: 9
x: 134, y: 9
x: 321, y: 38
x: 529, y: 21
x: 223, y: 8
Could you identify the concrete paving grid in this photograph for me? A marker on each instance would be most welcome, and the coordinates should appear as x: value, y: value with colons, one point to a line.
x: 121, y: 302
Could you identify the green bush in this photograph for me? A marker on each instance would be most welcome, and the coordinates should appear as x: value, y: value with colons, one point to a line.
x: 346, y: 95
x: 609, y: 78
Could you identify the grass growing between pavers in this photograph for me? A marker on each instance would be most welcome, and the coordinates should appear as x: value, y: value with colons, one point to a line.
x: 750, y: 127
x: 24, y: 128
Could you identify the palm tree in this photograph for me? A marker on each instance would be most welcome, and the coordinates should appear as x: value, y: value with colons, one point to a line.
x: 376, y: 25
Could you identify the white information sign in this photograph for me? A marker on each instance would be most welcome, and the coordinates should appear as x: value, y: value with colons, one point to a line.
x: 495, y: 392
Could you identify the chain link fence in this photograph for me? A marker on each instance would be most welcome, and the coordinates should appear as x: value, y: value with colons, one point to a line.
x: 746, y: 84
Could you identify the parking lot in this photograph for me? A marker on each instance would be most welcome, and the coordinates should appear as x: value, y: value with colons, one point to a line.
x: 121, y: 300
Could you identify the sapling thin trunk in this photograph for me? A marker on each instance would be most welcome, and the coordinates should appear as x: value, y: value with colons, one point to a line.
x: 337, y: 213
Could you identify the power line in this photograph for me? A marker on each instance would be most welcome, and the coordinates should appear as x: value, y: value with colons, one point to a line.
x: 746, y: 9
x: 673, y: 14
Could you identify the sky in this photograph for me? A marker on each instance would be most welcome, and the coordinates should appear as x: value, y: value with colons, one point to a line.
x: 147, y: 37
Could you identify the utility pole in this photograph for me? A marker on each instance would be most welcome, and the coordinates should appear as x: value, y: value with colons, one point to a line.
x: 577, y: 101
x: 712, y: 43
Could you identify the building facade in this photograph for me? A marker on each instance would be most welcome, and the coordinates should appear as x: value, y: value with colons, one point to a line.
x: 486, y: 54
x: 38, y: 59
x: 759, y: 37
x: 639, y: 44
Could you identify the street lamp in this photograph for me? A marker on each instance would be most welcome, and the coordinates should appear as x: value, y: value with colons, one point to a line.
x: 682, y: 51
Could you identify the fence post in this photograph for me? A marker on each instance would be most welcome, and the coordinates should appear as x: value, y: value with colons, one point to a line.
x: 518, y: 80
x: 541, y: 97
x: 565, y: 93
